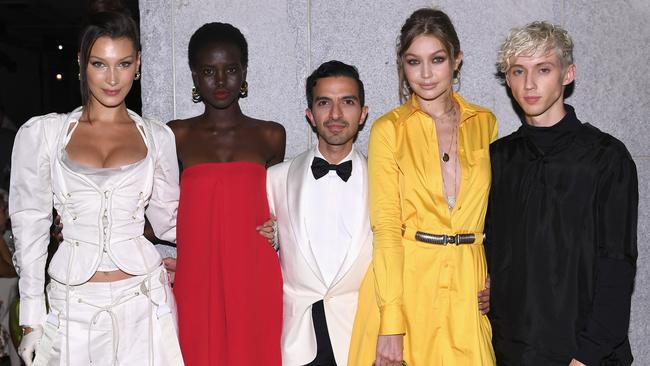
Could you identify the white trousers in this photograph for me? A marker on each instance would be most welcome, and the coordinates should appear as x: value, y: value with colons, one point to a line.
x: 127, y: 322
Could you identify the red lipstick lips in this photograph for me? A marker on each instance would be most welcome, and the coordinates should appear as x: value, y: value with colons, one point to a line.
x: 221, y: 94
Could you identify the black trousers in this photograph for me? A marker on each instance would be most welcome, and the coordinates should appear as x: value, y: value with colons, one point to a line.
x: 324, y: 351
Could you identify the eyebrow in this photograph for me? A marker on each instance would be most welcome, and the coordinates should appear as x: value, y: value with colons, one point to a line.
x: 102, y: 59
x: 544, y: 63
x: 346, y: 97
x: 442, y: 50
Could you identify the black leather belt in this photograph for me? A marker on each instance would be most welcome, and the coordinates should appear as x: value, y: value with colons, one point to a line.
x: 442, y: 239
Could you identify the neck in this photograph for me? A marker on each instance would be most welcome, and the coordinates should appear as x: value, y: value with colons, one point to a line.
x: 96, y: 112
x: 438, y: 107
x: 549, y: 118
x: 224, y: 117
x: 334, y: 153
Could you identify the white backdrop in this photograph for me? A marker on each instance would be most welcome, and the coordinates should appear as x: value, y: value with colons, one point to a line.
x: 289, y: 38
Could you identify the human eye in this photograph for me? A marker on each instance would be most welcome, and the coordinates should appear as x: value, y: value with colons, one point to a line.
x: 231, y: 70
x: 349, y: 101
x: 412, y: 61
x: 125, y: 64
x: 97, y: 64
x: 516, y: 71
x: 322, y: 103
x: 545, y: 70
x: 439, y: 59
x: 207, y: 71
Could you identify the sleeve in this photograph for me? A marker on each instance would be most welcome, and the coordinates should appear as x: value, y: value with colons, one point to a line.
x: 30, y: 210
x: 163, y: 205
x: 494, y: 128
x: 385, y: 214
x: 607, y: 325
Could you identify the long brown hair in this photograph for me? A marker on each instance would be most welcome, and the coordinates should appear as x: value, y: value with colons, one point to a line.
x: 425, y: 21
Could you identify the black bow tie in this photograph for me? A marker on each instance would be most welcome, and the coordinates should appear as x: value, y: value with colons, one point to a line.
x: 320, y: 167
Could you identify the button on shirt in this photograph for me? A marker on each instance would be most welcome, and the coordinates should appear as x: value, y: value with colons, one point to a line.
x: 331, y: 207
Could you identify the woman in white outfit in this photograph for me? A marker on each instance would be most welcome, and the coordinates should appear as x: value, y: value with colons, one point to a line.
x: 102, y: 167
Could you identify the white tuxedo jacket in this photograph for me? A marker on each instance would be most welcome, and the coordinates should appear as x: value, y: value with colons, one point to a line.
x: 303, y: 282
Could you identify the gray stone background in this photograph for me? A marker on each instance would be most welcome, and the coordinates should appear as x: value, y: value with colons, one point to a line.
x: 289, y: 38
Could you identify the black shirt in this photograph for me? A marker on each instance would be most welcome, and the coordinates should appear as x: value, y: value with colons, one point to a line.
x: 561, y: 245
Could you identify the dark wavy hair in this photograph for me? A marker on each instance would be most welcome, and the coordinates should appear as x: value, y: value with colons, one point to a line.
x: 330, y: 69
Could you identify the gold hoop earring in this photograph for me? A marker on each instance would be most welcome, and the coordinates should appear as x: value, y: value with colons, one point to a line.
x: 243, y: 91
x: 137, y: 75
x: 196, y: 97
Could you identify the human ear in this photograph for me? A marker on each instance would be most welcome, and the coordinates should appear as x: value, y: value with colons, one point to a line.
x: 310, y: 117
x: 569, y: 75
x: 458, y: 60
x: 364, y: 114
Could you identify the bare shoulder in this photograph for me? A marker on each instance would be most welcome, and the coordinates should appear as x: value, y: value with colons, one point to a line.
x: 181, y: 128
x: 269, y: 128
x: 180, y: 125
x: 274, y: 136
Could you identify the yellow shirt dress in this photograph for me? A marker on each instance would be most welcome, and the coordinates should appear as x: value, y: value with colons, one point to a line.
x: 427, y: 292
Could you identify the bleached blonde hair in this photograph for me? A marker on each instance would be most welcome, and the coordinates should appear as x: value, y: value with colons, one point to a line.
x: 533, y: 38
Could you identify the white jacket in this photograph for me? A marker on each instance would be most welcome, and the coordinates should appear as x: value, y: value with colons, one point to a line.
x: 40, y: 181
x: 303, y: 281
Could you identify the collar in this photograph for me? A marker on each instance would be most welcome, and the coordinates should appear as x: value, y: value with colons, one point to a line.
x: 74, y: 116
x: 568, y: 123
x: 317, y: 153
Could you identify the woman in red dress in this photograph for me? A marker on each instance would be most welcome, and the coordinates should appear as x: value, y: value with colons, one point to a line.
x: 228, y: 283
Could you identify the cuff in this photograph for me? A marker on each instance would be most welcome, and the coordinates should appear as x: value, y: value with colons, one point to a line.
x: 32, y: 311
x: 392, y: 320
x: 590, y: 353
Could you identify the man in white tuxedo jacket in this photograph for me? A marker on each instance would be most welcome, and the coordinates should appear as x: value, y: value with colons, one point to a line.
x: 320, y: 201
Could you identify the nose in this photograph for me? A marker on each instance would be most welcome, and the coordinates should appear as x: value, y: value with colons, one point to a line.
x: 530, y: 81
x: 112, y: 77
x: 220, y: 77
x: 336, y: 112
x: 425, y: 70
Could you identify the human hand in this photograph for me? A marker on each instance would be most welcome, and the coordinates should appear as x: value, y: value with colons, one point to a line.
x: 57, y: 228
x: 29, y: 343
x: 390, y: 350
x: 170, y: 266
x: 484, y: 297
x: 575, y: 362
x: 269, y: 231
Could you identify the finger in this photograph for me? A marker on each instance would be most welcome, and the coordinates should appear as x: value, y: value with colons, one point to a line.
x: 170, y: 264
x: 487, y: 282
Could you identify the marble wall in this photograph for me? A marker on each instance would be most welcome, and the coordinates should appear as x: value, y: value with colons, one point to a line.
x: 289, y: 38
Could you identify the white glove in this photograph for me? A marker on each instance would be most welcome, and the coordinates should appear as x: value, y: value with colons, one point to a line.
x: 29, y: 343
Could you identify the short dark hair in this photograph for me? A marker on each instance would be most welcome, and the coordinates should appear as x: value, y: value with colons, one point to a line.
x: 217, y: 33
x: 330, y: 69
x: 107, y: 19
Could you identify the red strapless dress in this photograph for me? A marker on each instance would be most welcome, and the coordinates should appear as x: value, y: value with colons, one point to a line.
x: 228, y: 282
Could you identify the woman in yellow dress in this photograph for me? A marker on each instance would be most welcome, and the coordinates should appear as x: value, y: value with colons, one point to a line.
x: 429, y: 179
